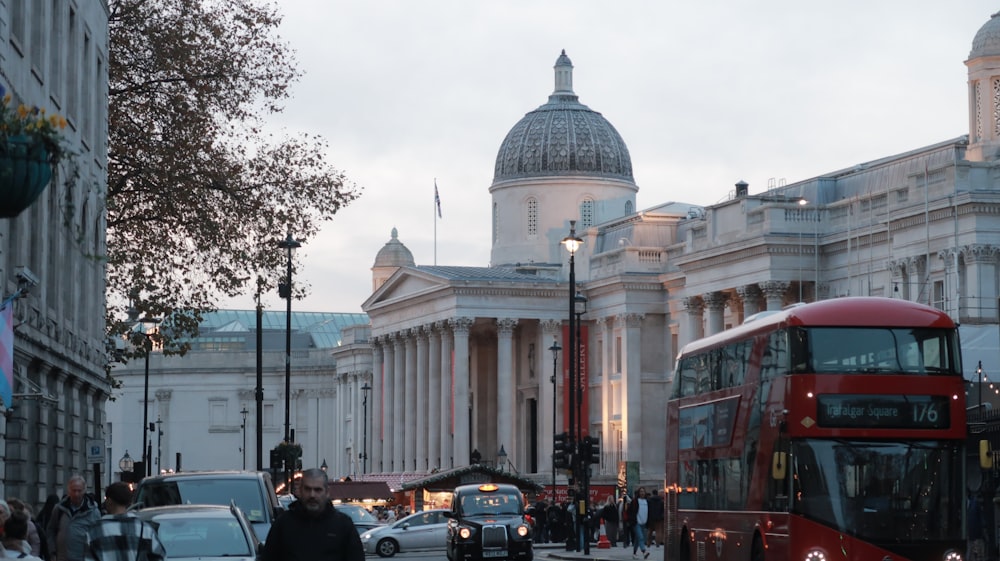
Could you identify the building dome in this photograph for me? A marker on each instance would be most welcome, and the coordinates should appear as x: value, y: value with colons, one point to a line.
x: 394, y: 254
x: 987, y: 40
x: 563, y: 137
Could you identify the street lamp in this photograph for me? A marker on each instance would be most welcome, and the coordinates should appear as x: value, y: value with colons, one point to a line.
x: 147, y: 348
x: 572, y: 244
x: 501, y: 459
x: 243, y: 427
x: 126, y: 464
x: 580, y: 308
x: 555, y: 348
x: 289, y: 244
x: 802, y: 202
x: 364, y: 450
x: 323, y: 466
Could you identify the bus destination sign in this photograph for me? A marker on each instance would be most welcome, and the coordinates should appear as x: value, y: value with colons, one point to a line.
x: 883, y: 411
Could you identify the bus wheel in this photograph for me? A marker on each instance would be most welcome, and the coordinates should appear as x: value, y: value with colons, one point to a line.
x: 757, y: 550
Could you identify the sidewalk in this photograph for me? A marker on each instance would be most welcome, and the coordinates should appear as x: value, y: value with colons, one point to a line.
x: 614, y: 553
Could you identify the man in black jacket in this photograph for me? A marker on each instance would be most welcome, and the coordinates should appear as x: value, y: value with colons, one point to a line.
x: 311, y: 530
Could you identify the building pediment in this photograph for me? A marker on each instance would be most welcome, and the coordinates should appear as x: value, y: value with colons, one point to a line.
x: 405, y: 284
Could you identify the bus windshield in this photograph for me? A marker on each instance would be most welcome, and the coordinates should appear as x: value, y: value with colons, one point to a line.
x: 880, y: 491
x: 870, y: 350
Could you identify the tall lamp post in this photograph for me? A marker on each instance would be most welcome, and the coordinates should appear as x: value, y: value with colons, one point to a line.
x: 147, y: 348
x: 365, y: 389
x: 289, y: 244
x: 580, y: 308
x: 572, y: 244
x: 244, y: 413
x: 555, y: 348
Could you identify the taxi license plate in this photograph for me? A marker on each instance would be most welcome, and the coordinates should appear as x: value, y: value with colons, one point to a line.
x: 494, y: 554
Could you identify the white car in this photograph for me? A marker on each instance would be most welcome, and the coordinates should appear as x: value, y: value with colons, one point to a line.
x: 424, y: 530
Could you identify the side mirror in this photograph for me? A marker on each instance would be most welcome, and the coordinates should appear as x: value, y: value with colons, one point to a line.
x: 779, y: 465
x: 985, y: 455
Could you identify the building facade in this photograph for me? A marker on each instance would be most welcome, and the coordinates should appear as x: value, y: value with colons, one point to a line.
x: 54, y: 55
x: 461, y: 356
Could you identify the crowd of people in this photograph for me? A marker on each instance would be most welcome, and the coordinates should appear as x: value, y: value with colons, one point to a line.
x: 76, y: 528
x: 633, y: 521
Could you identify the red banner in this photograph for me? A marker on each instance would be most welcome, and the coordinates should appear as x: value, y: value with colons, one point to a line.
x: 598, y: 494
x: 583, y: 407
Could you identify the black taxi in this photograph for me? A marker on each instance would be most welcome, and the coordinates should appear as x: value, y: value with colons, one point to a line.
x: 487, y: 521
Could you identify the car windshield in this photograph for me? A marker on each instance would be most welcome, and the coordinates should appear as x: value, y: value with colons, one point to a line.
x: 881, y: 491
x: 492, y: 504
x: 358, y: 513
x: 193, y: 536
x: 246, y: 493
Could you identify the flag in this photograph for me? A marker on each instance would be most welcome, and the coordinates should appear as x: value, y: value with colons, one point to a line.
x: 437, y: 198
x: 7, y: 354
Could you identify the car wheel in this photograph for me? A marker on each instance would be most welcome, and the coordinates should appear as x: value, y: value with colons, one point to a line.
x: 386, y: 548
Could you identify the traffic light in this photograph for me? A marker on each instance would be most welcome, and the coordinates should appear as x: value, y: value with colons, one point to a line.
x: 590, y: 450
x: 561, y: 453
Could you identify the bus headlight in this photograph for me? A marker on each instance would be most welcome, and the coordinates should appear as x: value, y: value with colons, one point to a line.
x: 952, y: 555
x: 522, y: 531
x: 816, y: 555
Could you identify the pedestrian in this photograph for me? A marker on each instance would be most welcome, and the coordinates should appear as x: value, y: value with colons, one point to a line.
x: 540, y: 517
x: 654, y: 527
x: 311, y: 529
x: 66, y: 531
x: 638, y: 513
x: 36, y: 535
x: 609, y: 514
x: 15, y: 537
x: 625, y: 521
x: 120, y: 534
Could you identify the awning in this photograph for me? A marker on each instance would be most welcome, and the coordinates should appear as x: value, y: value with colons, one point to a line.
x: 358, y: 490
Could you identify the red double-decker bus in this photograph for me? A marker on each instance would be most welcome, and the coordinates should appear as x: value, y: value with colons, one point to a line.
x: 829, y: 431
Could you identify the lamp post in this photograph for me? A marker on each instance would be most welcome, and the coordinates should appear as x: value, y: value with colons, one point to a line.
x: 572, y: 244
x: 802, y: 202
x: 365, y: 389
x: 244, y: 413
x: 501, y: 458
x: 147, y: 348
x: 555, y: 348
x: 580, y: 308
x: 126, y: 464
x: 159, y: 444
x: 289, y: 244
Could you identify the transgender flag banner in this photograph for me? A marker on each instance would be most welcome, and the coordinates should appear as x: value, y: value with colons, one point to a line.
x: 7, y: 354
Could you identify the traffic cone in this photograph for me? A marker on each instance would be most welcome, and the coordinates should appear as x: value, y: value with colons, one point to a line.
x: 602, y: 539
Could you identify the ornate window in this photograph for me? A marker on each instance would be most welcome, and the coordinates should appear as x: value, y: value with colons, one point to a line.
x: 532, y: 218
x: 629, y: 208
x: 587, y: 213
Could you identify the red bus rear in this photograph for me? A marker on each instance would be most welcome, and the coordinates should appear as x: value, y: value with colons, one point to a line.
x: 829, y: 431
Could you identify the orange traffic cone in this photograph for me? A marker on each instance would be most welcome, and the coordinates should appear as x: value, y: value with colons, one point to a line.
x: 602, y: 539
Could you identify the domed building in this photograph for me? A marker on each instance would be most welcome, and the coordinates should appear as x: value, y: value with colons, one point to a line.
x: 462, y: 356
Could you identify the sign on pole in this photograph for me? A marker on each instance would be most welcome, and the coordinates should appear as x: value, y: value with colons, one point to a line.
x: 95, y: 451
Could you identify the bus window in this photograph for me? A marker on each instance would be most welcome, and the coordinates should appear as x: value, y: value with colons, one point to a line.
x: 686, y: 379
x: 875, y: 350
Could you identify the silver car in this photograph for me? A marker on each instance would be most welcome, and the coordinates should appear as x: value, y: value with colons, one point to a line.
x: 424, y: 530
x: 204, y: 531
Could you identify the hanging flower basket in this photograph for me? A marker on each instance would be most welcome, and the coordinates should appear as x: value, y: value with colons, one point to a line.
x: 25, y: 171
x: 30, y: 148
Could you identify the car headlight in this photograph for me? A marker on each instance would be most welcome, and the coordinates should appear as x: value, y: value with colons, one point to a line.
x: 815, y: 555
x: 952, y: 555
x: 465, y: 533
x: 522, y: 531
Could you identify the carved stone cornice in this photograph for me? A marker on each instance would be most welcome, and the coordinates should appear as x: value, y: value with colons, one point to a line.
x: 774, y: 288
x: 630, y: 319
x: 551, y: 325
x: 979, y: 253
x: 749, y: 292
x: 715, y: 301
x: 895, y: 266
x: 164, y: 394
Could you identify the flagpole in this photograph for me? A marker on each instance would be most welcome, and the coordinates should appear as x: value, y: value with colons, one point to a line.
x: 434, y: 211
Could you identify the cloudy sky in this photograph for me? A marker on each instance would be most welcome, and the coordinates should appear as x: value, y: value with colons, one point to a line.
x: 704, y: 94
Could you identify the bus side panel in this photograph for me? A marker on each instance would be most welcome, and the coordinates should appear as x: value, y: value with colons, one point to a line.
x: 729, y: 536
x: 671, y: 486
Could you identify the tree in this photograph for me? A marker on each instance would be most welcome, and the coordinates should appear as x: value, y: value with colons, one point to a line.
x: 198, y: 193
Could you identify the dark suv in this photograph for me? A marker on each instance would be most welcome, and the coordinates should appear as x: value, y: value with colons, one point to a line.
x: 487, y: 522
x: 252, y: 491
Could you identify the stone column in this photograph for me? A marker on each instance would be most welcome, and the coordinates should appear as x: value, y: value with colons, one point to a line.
x: 398, y: 405
x: 421, y: 395
x: 547, y: 394
x: 434, y: 404
x: 980, y: 281
x: 604, y: 332
x: 375, y: 406
x: 447, y: 398
x: 916, y: 277
x: 694, y: 328
x: 410, y: 409
x: 460, y: 328
x: 750, y: 294
x: 505, y: 387
x: 774, y: 293
x: 716, y: 304
x: 632, y: 385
